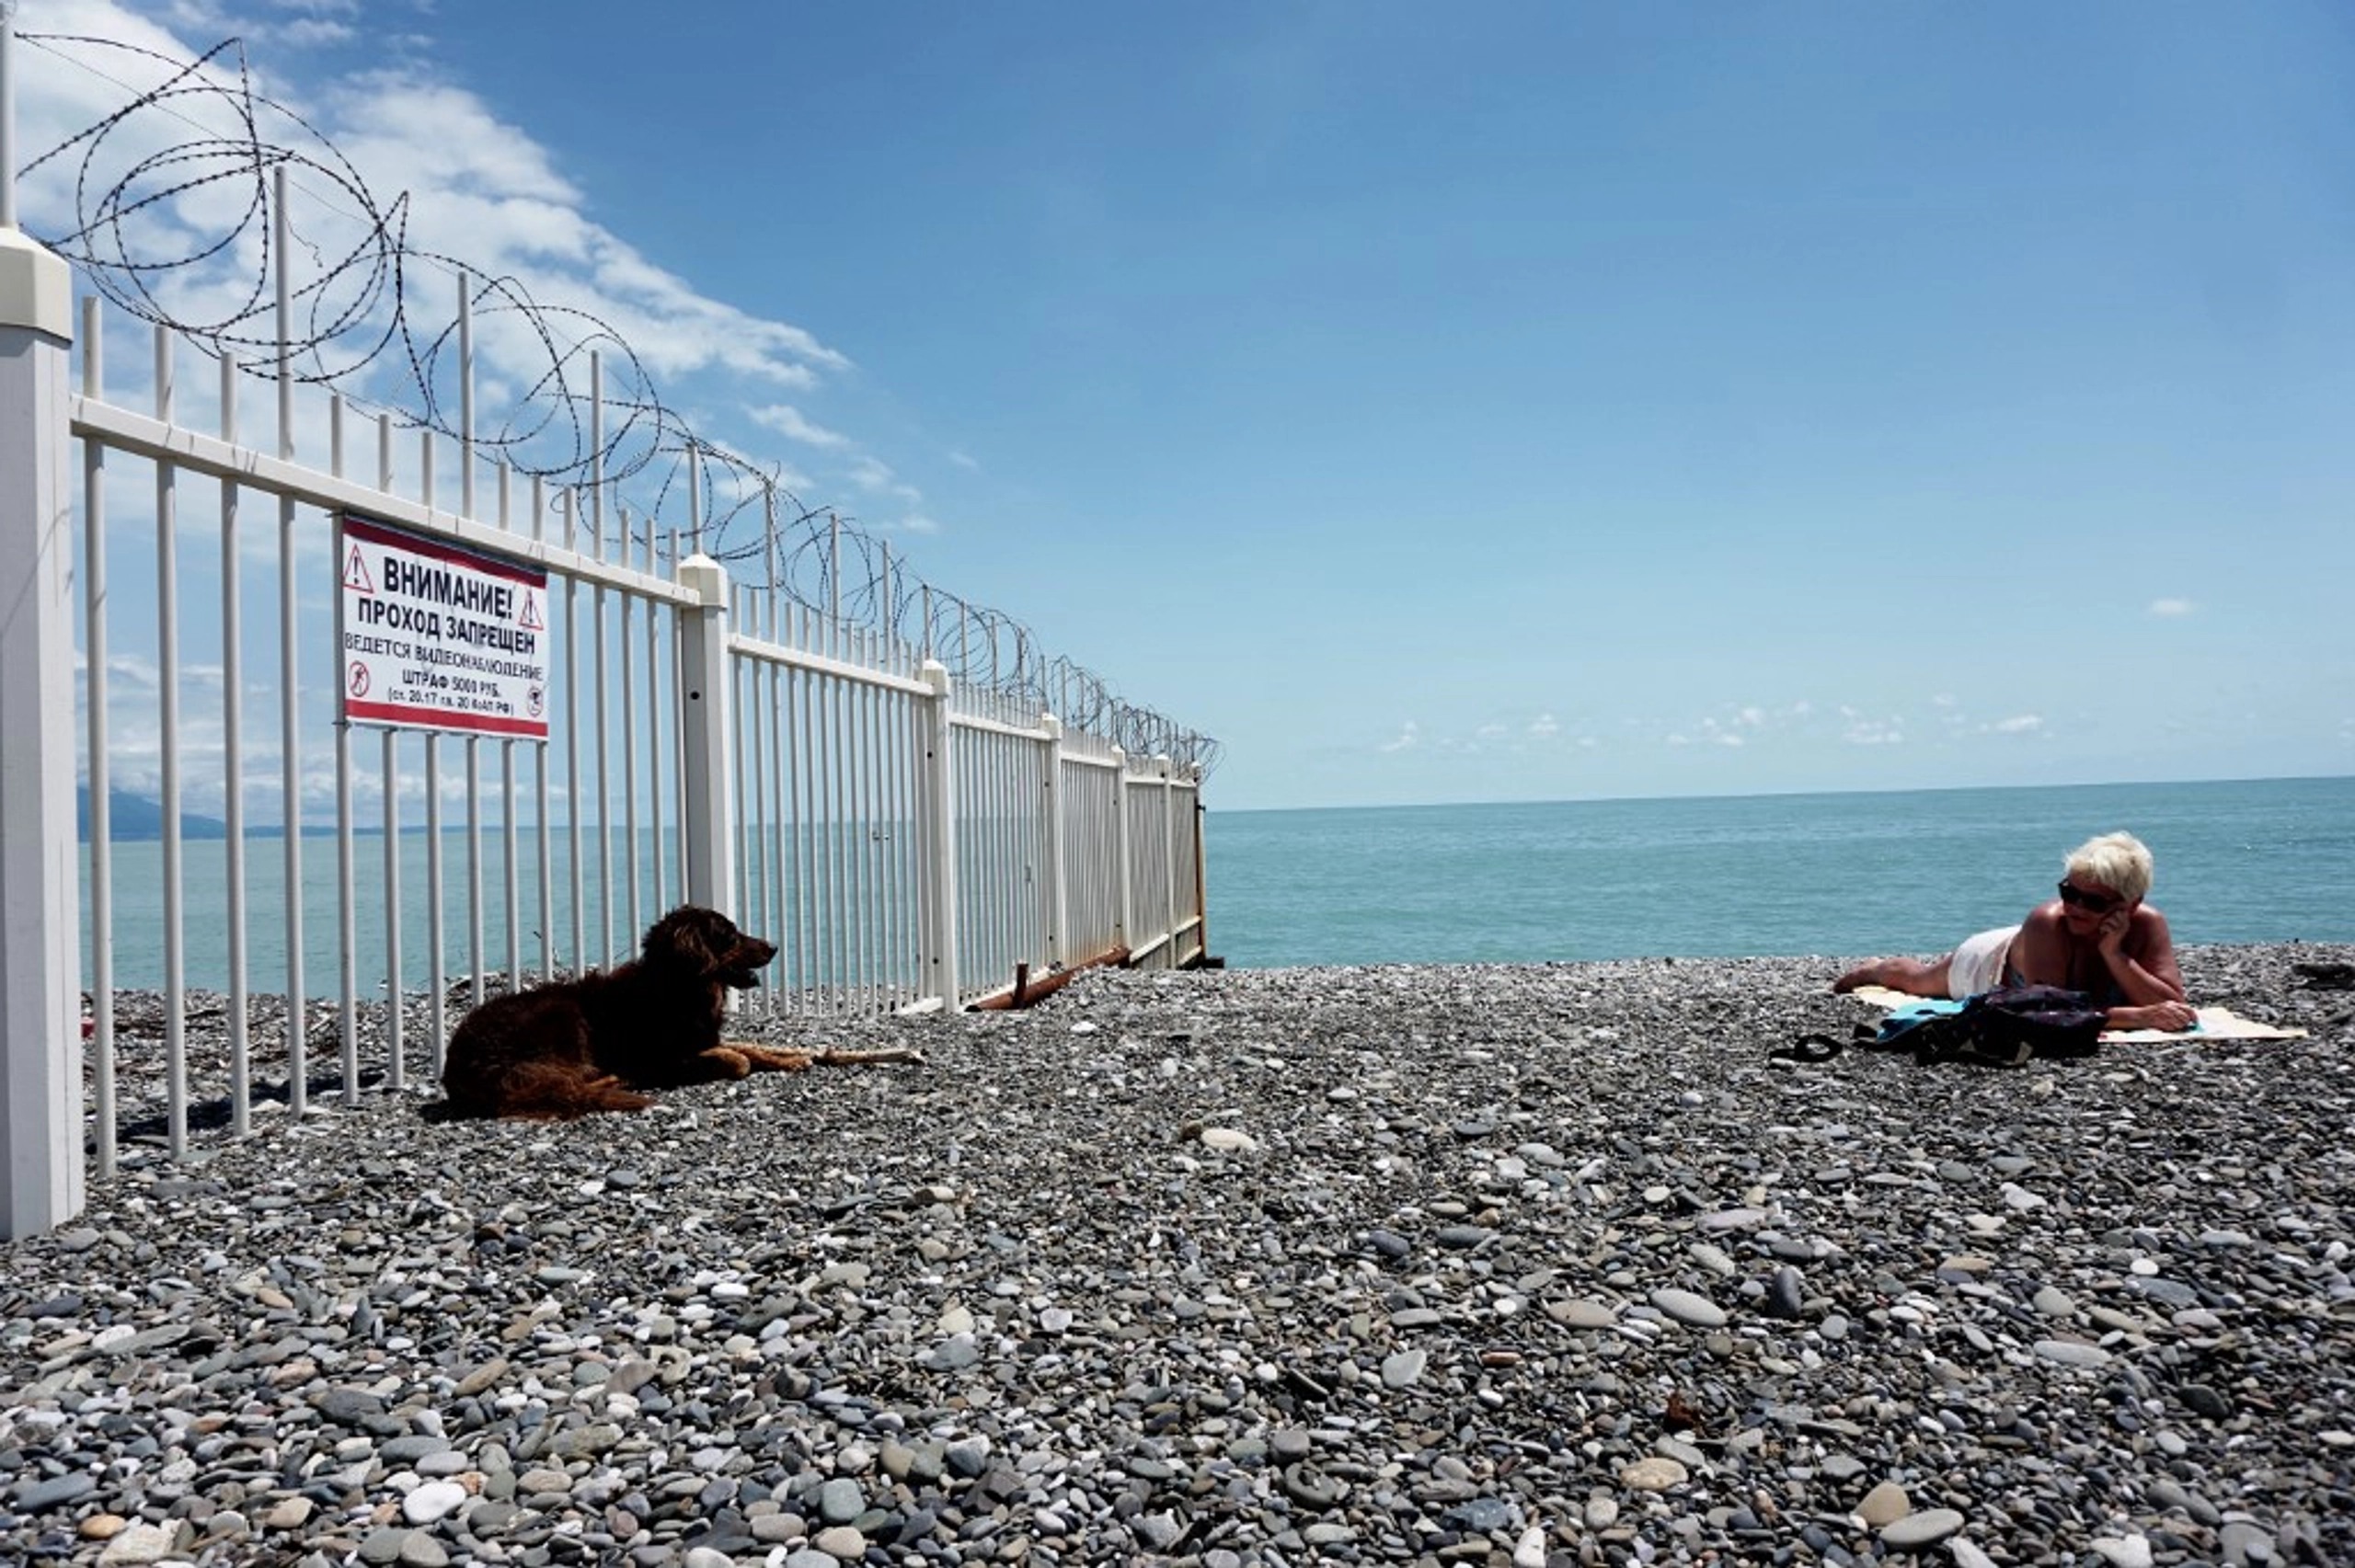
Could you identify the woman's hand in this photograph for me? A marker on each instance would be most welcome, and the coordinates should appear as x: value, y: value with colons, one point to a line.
x: 2169, y: 1016
x: 2112, y: 931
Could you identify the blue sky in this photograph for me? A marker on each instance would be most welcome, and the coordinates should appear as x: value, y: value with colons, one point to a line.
x: 1511, y: 402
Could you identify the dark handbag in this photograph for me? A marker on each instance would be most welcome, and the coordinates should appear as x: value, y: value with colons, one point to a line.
x: 2008, y: 1026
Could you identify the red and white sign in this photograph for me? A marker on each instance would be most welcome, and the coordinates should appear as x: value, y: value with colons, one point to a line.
x: 439, y: 636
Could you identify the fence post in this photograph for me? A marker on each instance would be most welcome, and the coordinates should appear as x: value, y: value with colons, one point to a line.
x: 1052, y: 851
x: 1168, y: 856
x: 1201, y: 866
x: 707, y: 802
x: 939, y: 809
x: 40, y: 904
x: 1123, y: 884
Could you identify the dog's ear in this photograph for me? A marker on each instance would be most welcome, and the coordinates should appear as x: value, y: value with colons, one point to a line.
x: 677, y: 939
x: 695, y: 939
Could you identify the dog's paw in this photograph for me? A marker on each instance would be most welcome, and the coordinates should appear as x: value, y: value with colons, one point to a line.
x: 865, y: 1058
x: 731, y: 1060
x: 764, y: 1058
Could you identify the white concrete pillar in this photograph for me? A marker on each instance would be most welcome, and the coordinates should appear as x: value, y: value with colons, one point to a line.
x: 40, y: 905
x: 939, y: 807
x: 1051, y: 850
x: 1124, y: 886
x: 709, y: 806
x: 1168, y: 856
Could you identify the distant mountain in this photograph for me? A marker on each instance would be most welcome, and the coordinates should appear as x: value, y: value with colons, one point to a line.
x: 132, y: 817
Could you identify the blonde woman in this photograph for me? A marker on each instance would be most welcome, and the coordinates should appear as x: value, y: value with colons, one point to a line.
x: 2097, y: 935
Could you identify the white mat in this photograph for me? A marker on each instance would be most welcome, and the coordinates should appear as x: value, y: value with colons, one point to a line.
x: 2215, y: 1023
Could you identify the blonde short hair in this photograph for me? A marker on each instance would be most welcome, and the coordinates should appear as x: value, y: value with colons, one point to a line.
x: 2119, y: 862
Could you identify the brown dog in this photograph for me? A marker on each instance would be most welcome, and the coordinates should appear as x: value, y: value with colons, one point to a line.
x: 572, y: 1047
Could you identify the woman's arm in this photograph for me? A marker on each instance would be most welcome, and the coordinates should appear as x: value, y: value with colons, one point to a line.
x: 2149, y: 979
x: 2140, y: 952
x: 2169, y: 1016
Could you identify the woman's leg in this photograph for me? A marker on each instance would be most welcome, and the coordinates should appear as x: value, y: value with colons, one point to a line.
x: 1914, y: 977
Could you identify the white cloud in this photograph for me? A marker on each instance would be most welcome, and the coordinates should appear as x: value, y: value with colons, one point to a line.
x: 1719, y: 735
x: 1753, y: 717
x: 435, y: 158
x: 309, y: 31
x: 1409, y: 737
x: 1544, y: 728
x: 2019, y: 724
x: 288, y: 21
x: 793, y: 424
x: 2171, y: 609
x: 1864, y: 731
x: 966, y: 461
x: 876, y: 479
x: 1490, y: 732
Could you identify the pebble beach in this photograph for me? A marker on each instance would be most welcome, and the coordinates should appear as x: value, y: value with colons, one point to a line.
x: 1530, y: 1266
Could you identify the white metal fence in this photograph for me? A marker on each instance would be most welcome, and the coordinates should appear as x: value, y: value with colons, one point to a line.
x: 908, y: 839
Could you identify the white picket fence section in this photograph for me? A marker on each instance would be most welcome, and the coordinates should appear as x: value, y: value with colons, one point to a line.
x: 908, y: 841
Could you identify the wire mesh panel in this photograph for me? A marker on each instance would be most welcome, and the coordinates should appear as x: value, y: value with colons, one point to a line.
x: 827, y: 785
x: 1150, y: 882
x: 405, y: 873
x: 286, y: 879
x: 1002, y: 903
x: 332, y: 891
x: 1188, y: 906
x: 1091, y: 830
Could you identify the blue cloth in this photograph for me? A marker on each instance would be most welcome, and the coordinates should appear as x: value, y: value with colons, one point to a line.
x: 1927, y: 1007
x: 1905, y: 1017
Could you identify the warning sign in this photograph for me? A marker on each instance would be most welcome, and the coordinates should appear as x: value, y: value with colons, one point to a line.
x: 439, y: 636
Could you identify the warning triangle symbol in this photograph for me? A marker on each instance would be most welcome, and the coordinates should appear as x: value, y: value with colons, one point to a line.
x: 531, y: 620
x: 355, y: 573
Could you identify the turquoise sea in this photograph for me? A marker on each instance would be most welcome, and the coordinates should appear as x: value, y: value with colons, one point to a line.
x: 1855, y: 874
x: 2268, y: 859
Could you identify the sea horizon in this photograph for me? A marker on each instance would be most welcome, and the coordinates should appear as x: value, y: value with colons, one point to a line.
x: 372, y: 826
x: 1774, y: 794
x: 1849, y: 873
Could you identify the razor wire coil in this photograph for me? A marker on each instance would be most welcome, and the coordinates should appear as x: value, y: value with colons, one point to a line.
x: 168, y: 202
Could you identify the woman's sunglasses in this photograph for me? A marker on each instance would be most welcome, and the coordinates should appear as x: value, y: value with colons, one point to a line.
x: 2076, y: 898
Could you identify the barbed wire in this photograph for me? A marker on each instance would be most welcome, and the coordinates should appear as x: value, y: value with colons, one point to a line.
x: 174, y: 222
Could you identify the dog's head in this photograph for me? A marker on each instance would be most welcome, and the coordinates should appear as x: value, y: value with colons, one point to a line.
x: 708, y: 943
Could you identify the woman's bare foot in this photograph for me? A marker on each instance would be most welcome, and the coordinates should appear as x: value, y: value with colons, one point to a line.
x: 1914, y: 977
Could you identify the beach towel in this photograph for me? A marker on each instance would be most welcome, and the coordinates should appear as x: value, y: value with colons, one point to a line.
x: 2214, y: 1023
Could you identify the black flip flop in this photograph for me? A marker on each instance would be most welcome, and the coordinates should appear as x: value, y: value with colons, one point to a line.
x: 1808, y: 1047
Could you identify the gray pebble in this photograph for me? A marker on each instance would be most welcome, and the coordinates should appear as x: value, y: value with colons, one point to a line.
x: 1687, y: 1307
x: 1004, y: 1306
x: 1924, y: 1528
